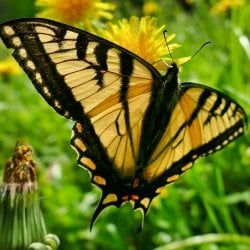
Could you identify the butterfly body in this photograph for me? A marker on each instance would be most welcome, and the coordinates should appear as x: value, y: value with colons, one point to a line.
x: 136, y: 130
x: 157, y: 116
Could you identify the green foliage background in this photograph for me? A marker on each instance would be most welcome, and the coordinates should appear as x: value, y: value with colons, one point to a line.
x: 214, y: 197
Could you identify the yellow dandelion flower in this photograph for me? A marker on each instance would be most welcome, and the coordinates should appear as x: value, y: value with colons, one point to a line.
x: 9, y: 66
x: 75, y: 11
x: 223, y: 6
x: 150, y: 8
x: 144, y: 38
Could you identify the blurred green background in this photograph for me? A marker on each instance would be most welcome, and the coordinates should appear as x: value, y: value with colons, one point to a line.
x: 212, y: 198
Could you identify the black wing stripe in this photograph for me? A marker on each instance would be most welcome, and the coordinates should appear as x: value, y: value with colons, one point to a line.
x: 201, y: 101
x: 81, y: 46
x: 226, y: 108
x: 213, y: 109
x: 235, y: 110
x: 60, y: 33
x: 126, y: 70
x: 216, y: 105
x: 101, y: 53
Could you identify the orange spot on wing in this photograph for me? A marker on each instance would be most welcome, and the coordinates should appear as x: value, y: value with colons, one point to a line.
x: 136, y: 183
x: 125, y: 198
x: 134, y: 197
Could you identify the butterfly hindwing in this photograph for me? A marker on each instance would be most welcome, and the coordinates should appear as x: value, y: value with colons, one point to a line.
x: 207, y: 121
x: 136, y: 130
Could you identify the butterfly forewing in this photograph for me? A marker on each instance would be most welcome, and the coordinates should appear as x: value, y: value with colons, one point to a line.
x: 70, y: 66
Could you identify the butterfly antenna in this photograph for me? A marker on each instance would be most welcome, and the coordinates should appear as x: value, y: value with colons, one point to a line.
x: 165, y: 38
x: 202, y: 46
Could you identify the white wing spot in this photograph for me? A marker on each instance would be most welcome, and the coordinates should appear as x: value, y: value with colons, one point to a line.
x: 236, y: 133
x: 57, y: 104
x: 225, y: 142
x: 194, y: 157
x: 8, y: 30
x: 30, y: 65
x: 46, y: 91
x: 66, y: 114
x: 38, y: 77
x: 210, y: 151
x: 22, y: 53
x: 241, y: 130
x: 16, y: 41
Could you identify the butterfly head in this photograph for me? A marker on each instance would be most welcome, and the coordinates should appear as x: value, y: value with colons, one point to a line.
x: 171, y: 75
x: 173, y: 68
